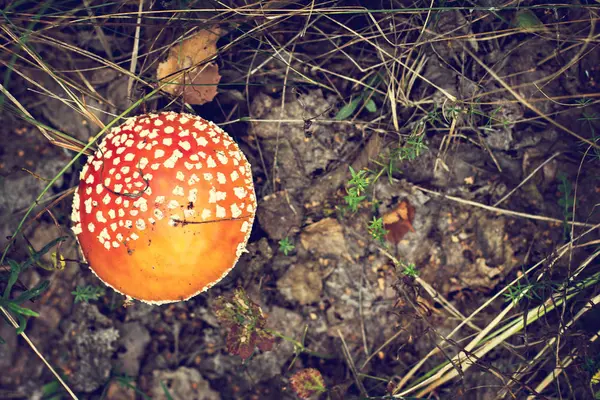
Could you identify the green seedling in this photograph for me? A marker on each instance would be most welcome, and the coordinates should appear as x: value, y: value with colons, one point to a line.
x: 376, y: 230
x: 286, y: 246
x: 88, y: 293
x: 357, y: 186
x: 410, y: 270
x: 15, y: 303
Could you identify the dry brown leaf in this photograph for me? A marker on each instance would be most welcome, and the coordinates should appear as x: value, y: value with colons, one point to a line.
x: 399, y: 222
x: 308, y: 383
x: 198, y: 85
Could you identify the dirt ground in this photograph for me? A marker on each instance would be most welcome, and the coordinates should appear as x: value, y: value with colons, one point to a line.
x: 501, y: 100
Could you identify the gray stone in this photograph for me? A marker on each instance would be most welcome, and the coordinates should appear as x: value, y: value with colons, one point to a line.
x: 184, y: 383
x: 88, y: 345
x: 134, y: 338
x: 301, y: 283
x: 280, y: 215
x: 325, y: 237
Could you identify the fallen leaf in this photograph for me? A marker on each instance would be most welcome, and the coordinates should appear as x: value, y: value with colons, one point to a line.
x: 308, y: 382
x: 198, y: 85
x: 245, y: 322
x: 325, y: 237
x: 399, y: 221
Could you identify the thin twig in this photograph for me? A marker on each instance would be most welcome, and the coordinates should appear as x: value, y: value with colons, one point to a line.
x: 38, y: 353
x: 531, y: 175
x: 351, y: 365
x: 504, y: 211
x: 136, y: 48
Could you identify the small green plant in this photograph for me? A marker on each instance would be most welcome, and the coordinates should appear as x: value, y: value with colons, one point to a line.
x: 528, y: 21
x: 518, y: 291
x: 357, y: 186
x: 592, y: 367
x: 583, y: 102
x: 596, y: 378
x: 566, y: 202
x: 286, y: 246
x: 524, y: 289
x: 590, y: 120
x: 376, y: 230
x: 9, y: 279
x: 53, y: 391
x: 434, y: 117
x: 413, y: 147
x: 246, y: 325
x: 410, y: 270
x: 346, y: 111
x: 492, y: 119
x: 359, y: 180
x: 365, y: 97
x: 452, y: 112
x: 88, y: 293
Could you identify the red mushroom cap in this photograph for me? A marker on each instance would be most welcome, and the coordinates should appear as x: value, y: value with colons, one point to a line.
x: 164, y: 208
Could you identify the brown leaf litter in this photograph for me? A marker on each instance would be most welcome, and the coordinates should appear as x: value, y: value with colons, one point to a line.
x: 399, y: 222
x: 198, y: 85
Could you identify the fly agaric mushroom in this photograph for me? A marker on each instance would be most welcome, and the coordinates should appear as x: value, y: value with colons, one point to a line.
x: 164, y: 208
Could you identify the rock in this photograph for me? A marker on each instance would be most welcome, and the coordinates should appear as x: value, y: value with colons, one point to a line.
x: 24, y: 148
x: 63, y: 116
x: 259, y: 253
x: 325, y: 237
x: 50, y: 317
x: 301, y: 283
x: 88, y: 348
x: 267, y: 365
x: 475, y: 251
x: 325, y: 187
x: 117, y: 94
x: 280, y: 215
x: 491, y: 238
x: 44, y: 234
x: 184, y: 383
x: 499, y: 139
x: 299, y: 159
x: 143, y: 312
x: 134, y: 338
x: 7, y: 350
x: 219, y: 364
x: 118, y: 391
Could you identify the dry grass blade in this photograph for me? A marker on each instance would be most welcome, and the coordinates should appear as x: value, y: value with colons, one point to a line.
x: 60, y: 140
x: 400, y: 62
x: 136, y: 48
x: 526, y: 103
x: 46, y: 69
x: 352, y: 366
x: 40, y: 355
x: 527, y: 178
x: 538, y: 357
x: 466, y: 358
x: 99, y: 31
x: 497, y: 320
x: 504, y: 211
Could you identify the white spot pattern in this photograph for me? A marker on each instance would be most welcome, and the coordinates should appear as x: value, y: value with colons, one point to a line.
x: 122, y: 165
